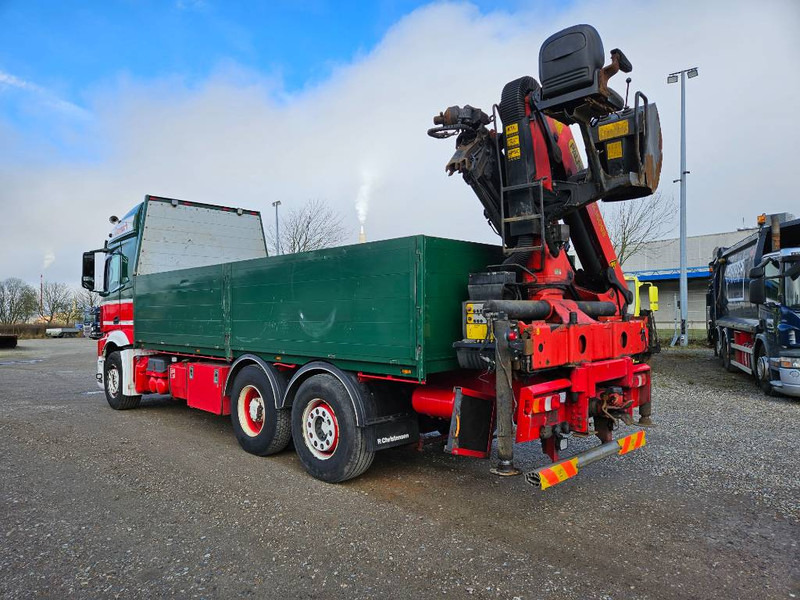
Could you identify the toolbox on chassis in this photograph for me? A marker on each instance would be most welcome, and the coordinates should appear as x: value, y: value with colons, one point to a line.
x: 355, y: 349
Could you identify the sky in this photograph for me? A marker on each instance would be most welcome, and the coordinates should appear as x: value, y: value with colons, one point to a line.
x: 241, y: 104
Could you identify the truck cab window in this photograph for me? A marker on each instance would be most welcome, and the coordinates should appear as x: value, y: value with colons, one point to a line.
x: 792, y: 299
x: 113, y: 268
x: 772, y: 281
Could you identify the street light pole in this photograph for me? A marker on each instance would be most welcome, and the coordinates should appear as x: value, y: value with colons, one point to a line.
x: 684, y: 282
x: 276, y: 204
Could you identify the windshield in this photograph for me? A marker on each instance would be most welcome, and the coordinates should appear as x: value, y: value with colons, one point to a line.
x: 792, y: 287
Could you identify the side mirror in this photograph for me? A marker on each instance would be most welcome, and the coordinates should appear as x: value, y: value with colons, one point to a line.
x: 87, y: 278
x: 757, y: 292
x: 756, y: 272
x: 652, y: 294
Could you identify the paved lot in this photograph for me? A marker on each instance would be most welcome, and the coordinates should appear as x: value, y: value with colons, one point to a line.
x: 161, y: 502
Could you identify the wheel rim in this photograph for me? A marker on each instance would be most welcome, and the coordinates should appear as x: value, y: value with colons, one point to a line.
x: 250, y: 408
x: 112, y: 381
x: 320, y: 429
x: 761, y: 367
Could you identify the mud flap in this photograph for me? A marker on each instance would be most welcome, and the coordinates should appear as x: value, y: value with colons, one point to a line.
x: 398, y: 430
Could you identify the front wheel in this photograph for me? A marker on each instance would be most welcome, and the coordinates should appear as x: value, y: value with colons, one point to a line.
x: 112, y: 383
x: 328, y: 442
x: 761, y: 371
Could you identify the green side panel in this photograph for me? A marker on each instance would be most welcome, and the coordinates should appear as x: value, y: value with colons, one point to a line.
x: 181, y: 309
x: 355, y: 303
x: 390, y: 307
x: 446, y: 268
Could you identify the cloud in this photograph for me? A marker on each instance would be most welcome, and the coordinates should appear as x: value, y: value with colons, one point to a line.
x: 42, y: 95
x: 239, y: 138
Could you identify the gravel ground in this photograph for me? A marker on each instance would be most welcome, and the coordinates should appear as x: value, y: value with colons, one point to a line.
x: 161, y: 502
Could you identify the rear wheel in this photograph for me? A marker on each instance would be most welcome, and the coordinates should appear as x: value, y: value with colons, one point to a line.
x: 330, y: 445
x: 761, y: 370
x: 260, y: 428
x: 112, y: 383
x: 727, y: 355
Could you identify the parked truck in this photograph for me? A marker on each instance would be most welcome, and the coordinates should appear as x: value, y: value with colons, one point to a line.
x: 355, y: 349
x: 753, y: 305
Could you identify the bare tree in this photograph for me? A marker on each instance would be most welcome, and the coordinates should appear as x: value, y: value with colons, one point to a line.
x: 86, y: 299
x: 313, y: 226
x: 83, y: 301
x: 17, y: 301
x: 56, y: 300
x: 633, y: 223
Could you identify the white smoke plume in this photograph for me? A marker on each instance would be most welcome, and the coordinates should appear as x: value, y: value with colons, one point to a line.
x: 364, y: 193
x: 49, y: 259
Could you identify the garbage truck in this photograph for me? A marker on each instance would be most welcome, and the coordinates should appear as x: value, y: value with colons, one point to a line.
x: 753, y: 305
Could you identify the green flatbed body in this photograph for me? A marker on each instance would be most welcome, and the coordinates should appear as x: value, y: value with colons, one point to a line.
x: 391, y: 307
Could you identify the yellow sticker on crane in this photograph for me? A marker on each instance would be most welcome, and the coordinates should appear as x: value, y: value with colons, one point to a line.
x: 573, y: 150
x: 614, y: 150
x: 477, y: 331
x: 513, y: 153
x: 513, y: 128
x: 612, y: 130
x: 512, y: 141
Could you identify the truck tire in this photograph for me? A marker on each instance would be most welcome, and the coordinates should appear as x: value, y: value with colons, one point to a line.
x: 330, y: 445
x: 112, y: 383
x: 260, y: 428
x: 726, y: 356
x: 761, y: 372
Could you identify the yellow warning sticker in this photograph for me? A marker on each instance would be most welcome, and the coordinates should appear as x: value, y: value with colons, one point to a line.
x: 576, y: 156
x: 614, y: 150
x: 612, y: 130
x: 513, y: 128
x: 559, y: 126
x: 513, y: 153
x: 512, y: 141
x: 477, y: 331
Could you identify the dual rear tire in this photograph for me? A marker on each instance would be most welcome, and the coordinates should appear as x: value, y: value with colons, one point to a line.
x: 322, y: 422
x: 327, y: 440
x: 260, y: 428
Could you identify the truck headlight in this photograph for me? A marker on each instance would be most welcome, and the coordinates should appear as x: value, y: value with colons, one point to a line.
x: 790, y: 363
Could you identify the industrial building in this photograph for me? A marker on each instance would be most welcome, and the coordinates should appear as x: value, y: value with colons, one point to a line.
x: 659, y: 262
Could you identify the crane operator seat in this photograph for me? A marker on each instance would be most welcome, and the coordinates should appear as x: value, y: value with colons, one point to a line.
x: 572, y: 75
